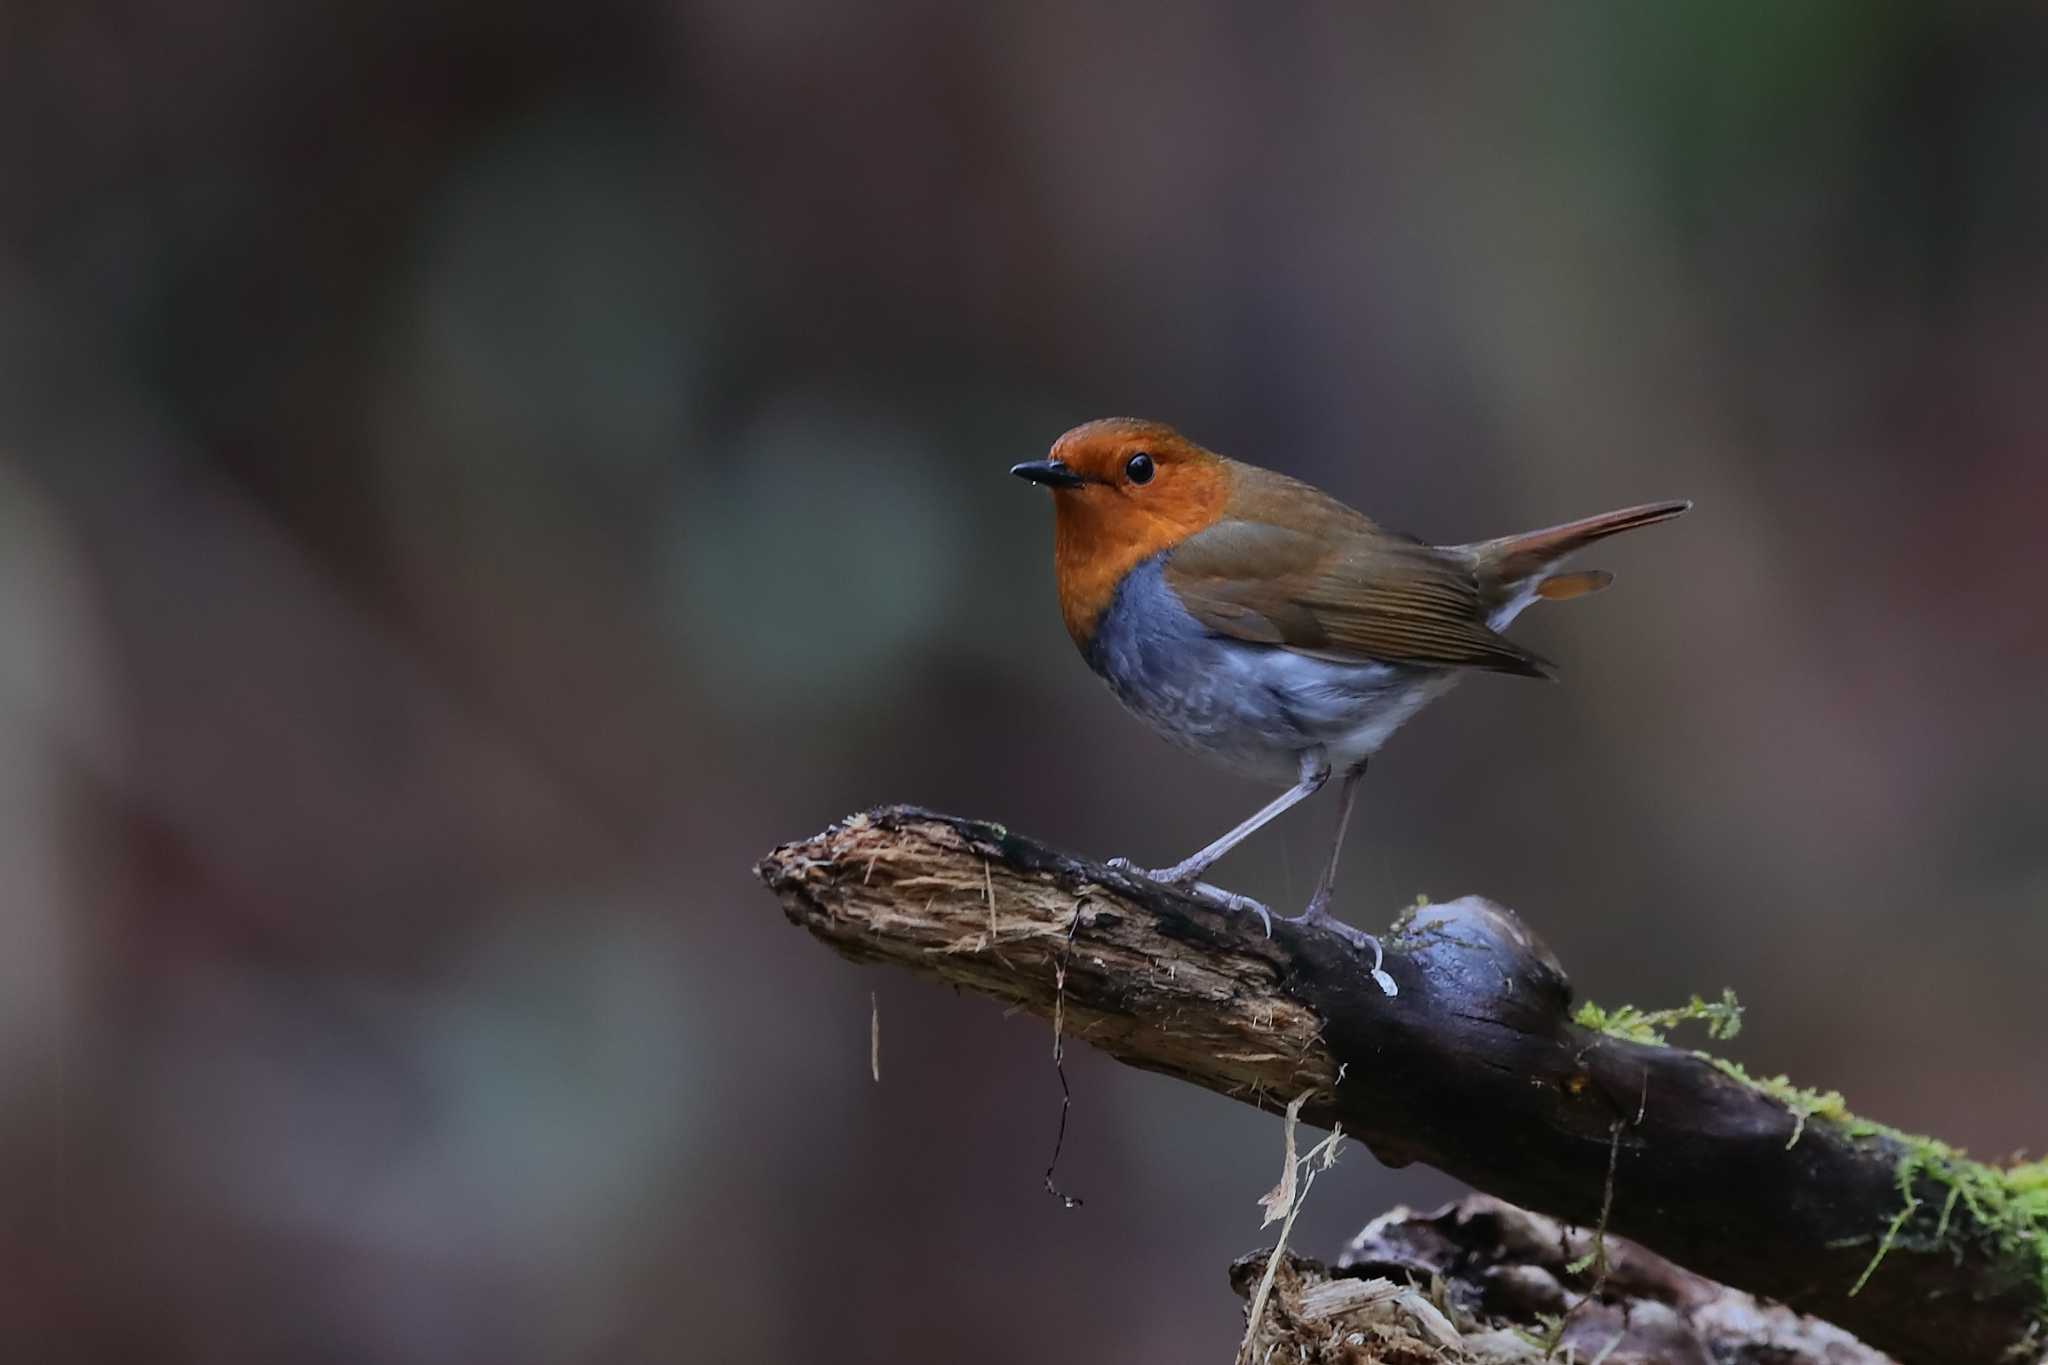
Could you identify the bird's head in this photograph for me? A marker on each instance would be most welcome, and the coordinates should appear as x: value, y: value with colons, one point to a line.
x: 1123, y: 490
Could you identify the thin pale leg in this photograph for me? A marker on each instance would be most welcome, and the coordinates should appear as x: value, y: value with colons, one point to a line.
x: 1318, y: 911
x: 1326, y: 885
x: 1315, y: 771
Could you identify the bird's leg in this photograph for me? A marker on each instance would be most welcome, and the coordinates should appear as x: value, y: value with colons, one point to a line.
x: 1318, y: 911
x: 1326, y: 885
x: 1315, y: 771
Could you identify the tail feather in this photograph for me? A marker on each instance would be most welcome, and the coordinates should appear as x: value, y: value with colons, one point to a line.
x: 1514, y: 560
x: 1563, y: 587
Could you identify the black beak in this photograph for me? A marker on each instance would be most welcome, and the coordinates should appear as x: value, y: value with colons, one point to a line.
x: 1051, y: 473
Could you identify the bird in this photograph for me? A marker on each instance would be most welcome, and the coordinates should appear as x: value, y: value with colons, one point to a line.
x: 1260, y: 622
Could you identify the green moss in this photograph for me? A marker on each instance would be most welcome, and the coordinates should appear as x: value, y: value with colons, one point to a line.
x: 2007, y: 1206
x: 1804, y: 1103
x: 1722, y: 1017
x: 1906, y: 1173
x: 1547, y: 1335
x: 1402, y: 935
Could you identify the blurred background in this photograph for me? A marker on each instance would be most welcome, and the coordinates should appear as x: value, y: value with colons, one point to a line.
x: 473, y: 477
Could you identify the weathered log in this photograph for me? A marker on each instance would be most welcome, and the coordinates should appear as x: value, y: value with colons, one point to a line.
x: 1486, y: 1283
x: 1476, y: 1067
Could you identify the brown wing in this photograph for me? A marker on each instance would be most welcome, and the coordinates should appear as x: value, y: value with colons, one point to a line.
x: 1346, y: 590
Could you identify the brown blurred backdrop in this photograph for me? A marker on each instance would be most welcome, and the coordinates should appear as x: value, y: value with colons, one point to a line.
x: 474, y: 476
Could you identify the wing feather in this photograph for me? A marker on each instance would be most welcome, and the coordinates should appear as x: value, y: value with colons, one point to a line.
x: 1360, y: 594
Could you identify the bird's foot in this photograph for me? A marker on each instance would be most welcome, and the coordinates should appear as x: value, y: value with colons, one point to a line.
x: 1318, y: 916
x: 1180, y: 874
x: 1215, y: 897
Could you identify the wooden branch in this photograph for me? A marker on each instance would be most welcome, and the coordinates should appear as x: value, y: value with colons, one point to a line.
x: 1475, y: 1067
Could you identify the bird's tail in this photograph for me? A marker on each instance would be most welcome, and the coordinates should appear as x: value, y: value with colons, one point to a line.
x: 1515, y: 564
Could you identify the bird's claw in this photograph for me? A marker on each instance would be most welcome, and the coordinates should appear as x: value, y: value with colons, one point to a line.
x: 1317, y: 917
x: 1215, y: 897
x: 1179, y: 875
x: 1230, y: 902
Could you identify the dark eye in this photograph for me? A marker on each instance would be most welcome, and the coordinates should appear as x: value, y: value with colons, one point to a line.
x: 1138, y: 469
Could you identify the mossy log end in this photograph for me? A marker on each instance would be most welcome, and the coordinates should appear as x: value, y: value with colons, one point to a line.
x: 1476, y: 1067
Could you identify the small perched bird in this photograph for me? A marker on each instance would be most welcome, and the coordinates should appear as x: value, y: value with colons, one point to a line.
x: 1252, y: 618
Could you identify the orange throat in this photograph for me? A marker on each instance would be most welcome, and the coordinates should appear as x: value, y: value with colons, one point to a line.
x: 1100, y: 535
